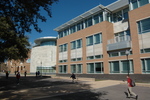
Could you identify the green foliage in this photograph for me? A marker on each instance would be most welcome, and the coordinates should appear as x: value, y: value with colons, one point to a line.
x: 12, y: 45
x: 25, y: 13
x: 16, y: 18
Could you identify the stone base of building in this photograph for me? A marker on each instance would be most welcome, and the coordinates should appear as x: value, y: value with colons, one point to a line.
x: 136, y: 77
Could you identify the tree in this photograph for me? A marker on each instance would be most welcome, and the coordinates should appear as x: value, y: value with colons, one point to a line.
x: 12, y: 45
x: 25, y: 13
x: 16, y: 18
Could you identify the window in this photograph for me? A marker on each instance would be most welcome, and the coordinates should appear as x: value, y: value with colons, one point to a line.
x: 79, y: 43
x: 73, y: 59
x: 113, y: 54
x: 66, y: 32
x: 79, y: 59
x: 119, y: 53
x: 73, y: 45
x: 76, y: 44
x: 96, y: 19
x: 60, y: 34
x: 125, y: 66
x: 114, y: 66
x: 95, y: 67
x: 63, y: 69
x: 97, y: 38
x: 98, y: 56
x: 101, y: 16
x: 125, y: 13
x: 120, y: 15
x: 89, y: 40
x: 94, y: 39
x: 144, y: 26
x: 98, y: 67
x: 90, y: 57
x: 63, y: 48
x: 122, y: 36
x: 138, y: 3
x: 143, y: 2
x: 134, y: 4
x: 146, y: 50
x: 90, y: 68
x: 50, y: 43
x: 76, y: 59
x: 76, y: 68
x: 94, y: 57
x: 73, y: 29
x: 145, y: 65
x: 121, y: 66
x: 80, y: 26
x: 88, y: 22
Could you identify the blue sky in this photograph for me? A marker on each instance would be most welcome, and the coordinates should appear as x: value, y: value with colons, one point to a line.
x: 62, y: 12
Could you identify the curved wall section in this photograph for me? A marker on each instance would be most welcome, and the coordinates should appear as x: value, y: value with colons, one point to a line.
x: 43, y: 56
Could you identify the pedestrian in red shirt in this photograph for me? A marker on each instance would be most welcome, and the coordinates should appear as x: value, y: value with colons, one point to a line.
x: 129, y: 91
x: 18, y: 78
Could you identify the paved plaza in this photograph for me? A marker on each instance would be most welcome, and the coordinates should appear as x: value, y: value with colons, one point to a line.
x: 54, y: 88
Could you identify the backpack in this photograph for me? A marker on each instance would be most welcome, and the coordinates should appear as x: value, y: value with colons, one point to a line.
x: 133, y: 83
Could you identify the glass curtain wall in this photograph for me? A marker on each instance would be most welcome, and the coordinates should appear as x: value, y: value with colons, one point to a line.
x: 76, y: 68
x: 121, y: 66
x: 138, y: 3
x: 144, y: 26
x: 145, y: 65
x: 95, y: 67
x: 62, y: 69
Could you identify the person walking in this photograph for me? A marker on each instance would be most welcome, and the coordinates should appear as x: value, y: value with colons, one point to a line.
x: 25, y: 73
x: 73, y: 77
x: 18, y: 78
x: 7, y: 74
x: 129, y: 90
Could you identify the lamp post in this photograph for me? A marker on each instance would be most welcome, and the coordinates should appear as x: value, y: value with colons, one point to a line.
x: 41, y: 68
x: 127, y: 53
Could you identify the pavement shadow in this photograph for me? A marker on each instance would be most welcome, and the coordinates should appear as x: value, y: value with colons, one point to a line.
x: 45, y: 88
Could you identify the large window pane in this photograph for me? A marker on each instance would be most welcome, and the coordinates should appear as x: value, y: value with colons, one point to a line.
x: 143, y: 2
x: 144, y: 26
x: 89, y: 40
x: 98, y: 68
x: 96, y: 19
x: 73, y: 29
x: 114, y: 66
x: 73, y: 45
x: 73, y: 68
x: 79, y: 43
x: 90, y: 68
x: 134, y: 4
x: 125, y: 13
x: 65, y: 68
x: 148, y: 64
x: 97, y: 38
x: 65, y: 47
x: 79, y: 68
x: 101, y: 17
x: 125, y: 66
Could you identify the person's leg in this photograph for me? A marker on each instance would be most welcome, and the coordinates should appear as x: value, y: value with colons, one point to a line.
x: 128, y: 92
x: 131, y: 92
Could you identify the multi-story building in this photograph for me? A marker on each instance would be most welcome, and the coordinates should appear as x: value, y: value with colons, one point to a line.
x: 12, y: 66
x: 106, y: 41
x: 43, y: 56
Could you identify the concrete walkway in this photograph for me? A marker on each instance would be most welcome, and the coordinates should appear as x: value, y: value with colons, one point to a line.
x: 99, y: 84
